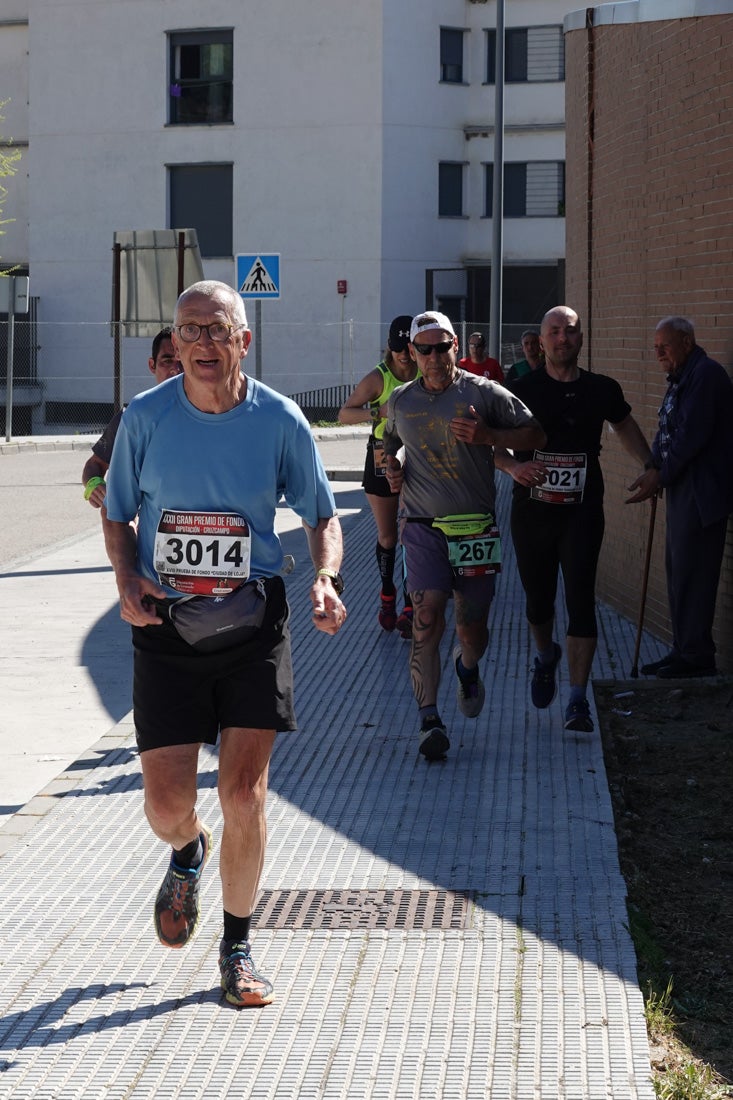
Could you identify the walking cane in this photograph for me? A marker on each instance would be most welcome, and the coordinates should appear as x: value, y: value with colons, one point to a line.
x: 644, y: 584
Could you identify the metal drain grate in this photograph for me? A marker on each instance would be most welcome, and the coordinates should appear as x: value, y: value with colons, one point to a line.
x: 410, y: 909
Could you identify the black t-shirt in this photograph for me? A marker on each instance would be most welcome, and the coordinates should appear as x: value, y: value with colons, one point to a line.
x: 103, y: 447
x: 572, y: 414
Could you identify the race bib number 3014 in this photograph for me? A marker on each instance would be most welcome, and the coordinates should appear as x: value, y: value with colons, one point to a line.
x: 202, y: 553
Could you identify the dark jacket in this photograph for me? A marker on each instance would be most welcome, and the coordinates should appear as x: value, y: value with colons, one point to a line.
x: 701, y: 433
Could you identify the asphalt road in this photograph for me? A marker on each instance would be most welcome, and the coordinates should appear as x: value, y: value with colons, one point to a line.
x: 41, y: 496
x: 41, y: 502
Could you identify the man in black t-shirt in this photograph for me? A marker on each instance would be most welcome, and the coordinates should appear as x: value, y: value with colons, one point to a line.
x: 557, y: 508
x: 162, y: 364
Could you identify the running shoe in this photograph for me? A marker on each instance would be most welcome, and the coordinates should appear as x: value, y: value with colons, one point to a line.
x: 404, y: 624
x: 577, y: 717
x: 177, y: 903
x: 387, y: 612
x: 470, y: 694
x: 544, y: 680
x: 240, y: 981
x: 434, y: 743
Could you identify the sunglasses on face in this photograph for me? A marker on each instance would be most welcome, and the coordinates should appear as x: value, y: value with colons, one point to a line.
x: 428, y: 349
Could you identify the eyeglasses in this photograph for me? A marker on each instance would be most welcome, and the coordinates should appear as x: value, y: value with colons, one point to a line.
x: 218, y: 332
x: 482, y: 345
x: 428, y: 349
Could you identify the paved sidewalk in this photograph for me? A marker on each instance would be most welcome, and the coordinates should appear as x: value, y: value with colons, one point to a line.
x: 455, y: 930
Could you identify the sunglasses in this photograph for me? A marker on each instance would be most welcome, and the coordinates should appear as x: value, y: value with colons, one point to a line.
x: 428, y: 349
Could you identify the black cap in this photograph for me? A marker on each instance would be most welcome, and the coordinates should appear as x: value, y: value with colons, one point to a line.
x: 399, y: 333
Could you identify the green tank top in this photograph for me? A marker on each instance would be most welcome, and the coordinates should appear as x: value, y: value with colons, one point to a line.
x: 389, y: 383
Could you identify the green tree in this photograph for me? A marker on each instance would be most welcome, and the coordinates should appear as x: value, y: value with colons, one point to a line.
x: 8, y: 162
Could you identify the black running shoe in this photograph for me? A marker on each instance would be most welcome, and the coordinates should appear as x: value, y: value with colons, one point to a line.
x: 577, y: 717
x: 434, y: 743
x: 544, y: 680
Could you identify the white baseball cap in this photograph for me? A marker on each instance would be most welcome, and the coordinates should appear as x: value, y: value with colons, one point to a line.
x: 430, y: 321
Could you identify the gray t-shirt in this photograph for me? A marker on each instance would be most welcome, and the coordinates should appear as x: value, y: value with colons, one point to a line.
x: 442, y: 476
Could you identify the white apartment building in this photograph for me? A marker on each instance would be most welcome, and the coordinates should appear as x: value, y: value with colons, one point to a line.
x: 354, y: 141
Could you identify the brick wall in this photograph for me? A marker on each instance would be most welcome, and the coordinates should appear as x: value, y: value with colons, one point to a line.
x: 649, y: 233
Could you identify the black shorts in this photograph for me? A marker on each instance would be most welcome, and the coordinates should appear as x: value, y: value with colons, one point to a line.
x: 550, y: 537
x: 182, y: 696
x: 374, y: 484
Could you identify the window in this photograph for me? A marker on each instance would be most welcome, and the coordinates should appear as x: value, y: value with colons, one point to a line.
x: 452, y: 306
x: 451, y: 56
x: 200, y: 83
x: 200, y: 198
x: 450, y: 189
x: 531, y: 54
x: 532, y: 190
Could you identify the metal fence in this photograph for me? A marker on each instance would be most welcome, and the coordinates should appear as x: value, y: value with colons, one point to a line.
x: 63, y: 377
x: 321, y: 405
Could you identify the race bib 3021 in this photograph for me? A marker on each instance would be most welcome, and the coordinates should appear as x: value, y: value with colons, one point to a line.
x: 565, y: 479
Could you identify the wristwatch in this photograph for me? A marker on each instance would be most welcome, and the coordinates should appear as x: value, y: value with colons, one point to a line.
x: 336, y: 579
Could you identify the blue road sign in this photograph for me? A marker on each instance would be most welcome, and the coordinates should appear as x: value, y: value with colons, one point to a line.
x: 258, y: 275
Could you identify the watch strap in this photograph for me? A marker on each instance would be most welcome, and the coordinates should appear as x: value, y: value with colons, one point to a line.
x: 334, y: 576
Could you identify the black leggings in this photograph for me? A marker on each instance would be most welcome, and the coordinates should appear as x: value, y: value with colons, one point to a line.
x: 548, y: 537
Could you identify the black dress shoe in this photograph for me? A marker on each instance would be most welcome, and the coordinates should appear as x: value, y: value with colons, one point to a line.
x: 683, y: 670
x: 654, y: 666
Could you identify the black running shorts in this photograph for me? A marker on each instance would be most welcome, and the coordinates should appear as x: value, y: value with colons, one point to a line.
x: 375, y: 484
x: 182, y: 696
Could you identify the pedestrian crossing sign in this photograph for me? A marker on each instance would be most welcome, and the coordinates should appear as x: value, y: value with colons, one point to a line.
x: 258, y: 275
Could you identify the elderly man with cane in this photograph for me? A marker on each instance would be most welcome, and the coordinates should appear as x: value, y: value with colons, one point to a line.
x: 691, y: 461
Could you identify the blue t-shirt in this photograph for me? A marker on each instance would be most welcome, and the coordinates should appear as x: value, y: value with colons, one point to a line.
x: 170, y: 456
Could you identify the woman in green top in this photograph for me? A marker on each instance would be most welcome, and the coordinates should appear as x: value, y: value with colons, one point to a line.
x: 368, y: 404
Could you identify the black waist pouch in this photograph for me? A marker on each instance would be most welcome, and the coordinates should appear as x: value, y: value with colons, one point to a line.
x: 210, y: 623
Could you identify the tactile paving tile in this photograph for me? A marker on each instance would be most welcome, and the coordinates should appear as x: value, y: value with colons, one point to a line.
x: 532, y: 997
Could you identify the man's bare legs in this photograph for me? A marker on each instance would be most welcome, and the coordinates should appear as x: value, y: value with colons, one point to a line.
x: 169, y: 784
x: 244, y: 762
x: 169, y: 781
x: 169, y: 777
x: 428, y: 626
x: 471, y: 617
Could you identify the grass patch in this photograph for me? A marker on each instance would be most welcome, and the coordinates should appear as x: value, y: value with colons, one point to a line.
x: 669, y: 757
